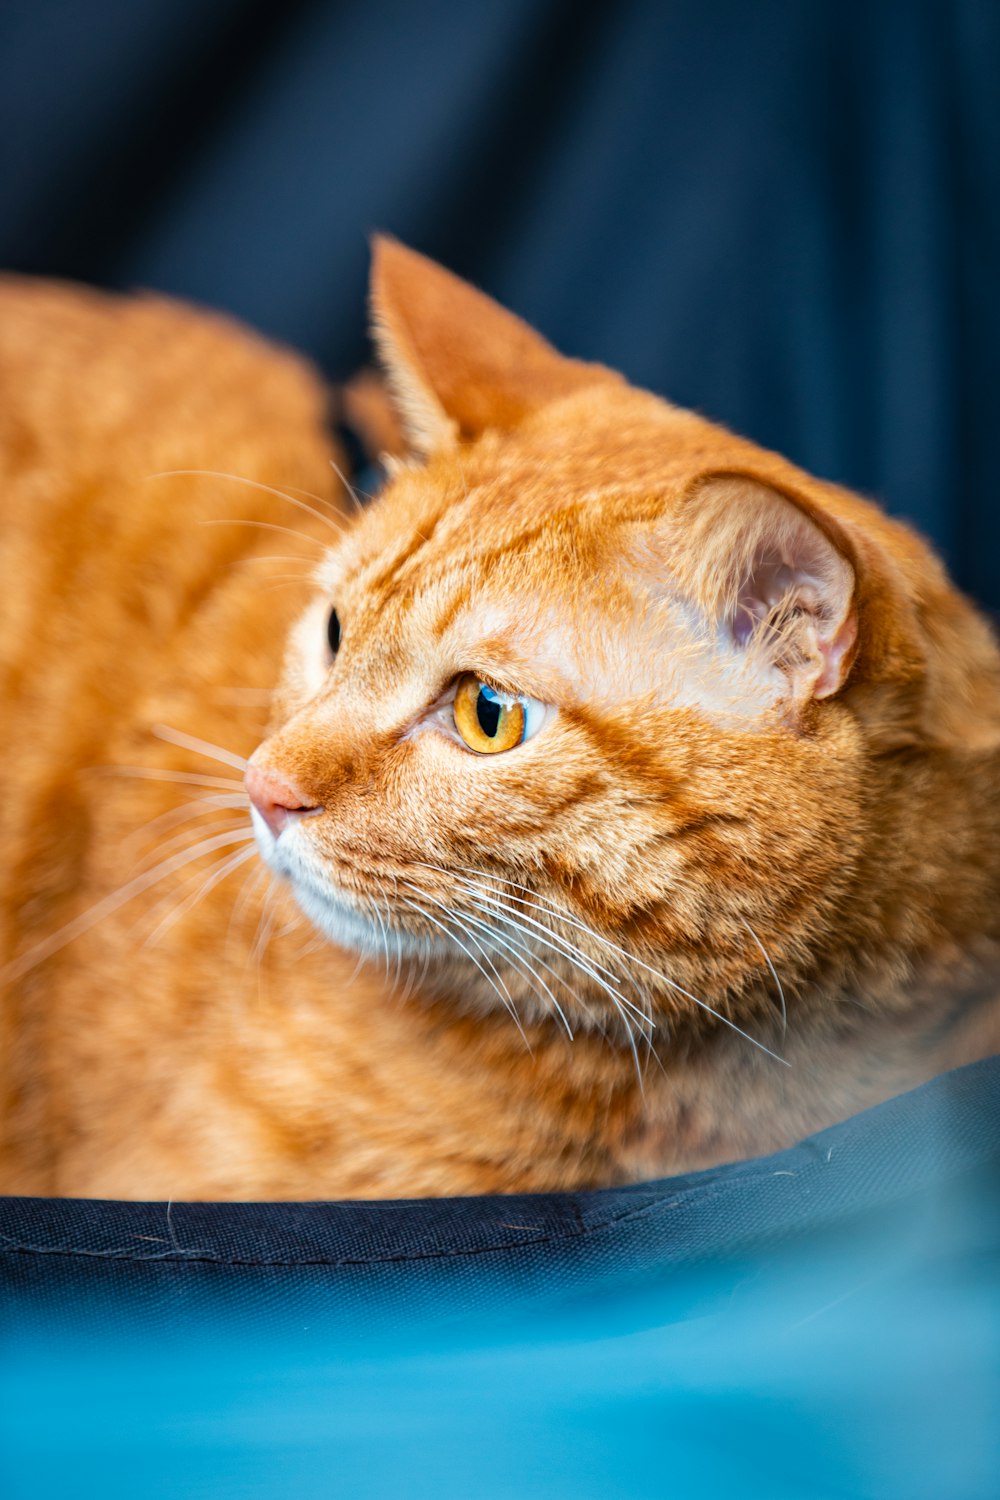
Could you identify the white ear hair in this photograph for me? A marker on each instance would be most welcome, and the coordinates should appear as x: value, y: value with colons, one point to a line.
x: 781, y: 586
x: 424, y: 420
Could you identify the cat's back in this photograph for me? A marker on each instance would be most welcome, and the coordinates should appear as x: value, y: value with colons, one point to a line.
x: 98, y: 394
x: 106, y: 405
x: 131, y: 588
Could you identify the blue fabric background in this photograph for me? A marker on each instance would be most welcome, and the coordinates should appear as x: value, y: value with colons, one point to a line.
x: 783, y: 214
x: 825, y: 1322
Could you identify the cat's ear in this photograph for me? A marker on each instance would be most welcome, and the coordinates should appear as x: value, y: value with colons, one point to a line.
x: 777, y: 575
x: 457, y: 362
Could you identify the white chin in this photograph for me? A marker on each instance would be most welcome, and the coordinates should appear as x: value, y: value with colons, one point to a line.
x: 349, y: 929
x: 334, y: 915
x: 337, y: 921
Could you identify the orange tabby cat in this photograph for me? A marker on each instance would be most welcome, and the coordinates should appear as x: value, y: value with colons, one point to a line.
x: 645, y: 791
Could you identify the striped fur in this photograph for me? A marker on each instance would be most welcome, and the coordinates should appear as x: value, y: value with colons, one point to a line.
x: 742, y: 881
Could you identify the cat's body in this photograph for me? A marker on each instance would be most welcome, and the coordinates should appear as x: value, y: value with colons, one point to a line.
x: 759, y: 773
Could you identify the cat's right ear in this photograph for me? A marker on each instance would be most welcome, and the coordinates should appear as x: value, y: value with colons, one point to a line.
x: 458, y: 363
x: 777, y: 575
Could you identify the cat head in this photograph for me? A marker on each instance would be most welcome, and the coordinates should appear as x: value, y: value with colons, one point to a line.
x: 594, y: 687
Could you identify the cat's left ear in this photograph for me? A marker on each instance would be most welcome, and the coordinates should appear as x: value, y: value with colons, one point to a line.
x: 778, y: 575
x: 457, y: 362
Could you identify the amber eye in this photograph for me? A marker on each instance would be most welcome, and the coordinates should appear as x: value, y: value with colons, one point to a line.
x: 489, y: 721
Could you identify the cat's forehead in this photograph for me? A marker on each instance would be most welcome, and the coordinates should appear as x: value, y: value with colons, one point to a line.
x: 553, y: 495
x: 445, y: 523
x: 467, y: 579
x: 531, y: 584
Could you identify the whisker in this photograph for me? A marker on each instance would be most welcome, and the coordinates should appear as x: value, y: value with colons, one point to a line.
x: 632, y: 958
x: 317, y: 942
x: 263, y: 875
x: 536, y: 958
x: 255, y: 484
x: 619, y: 1001
x: 521, y: 956
x: 428, y: 917
x: 179, y: 840
x: 384, y: 935
x: 774, y: 975
x: 547, y: 909
x: 300, y: 536
x: 282, y: 581
x: 217, y: 874
x: 456, y: 917
x: 564, y: 949
x: 195, y: 807
x: 332, y: 505
x: 200, y: 747
x: 348, y: 486
x: 217, y: 839
x: 105, y: 907
x: 491, y: 902
x: 184, y: 778
x: 516, y: 948
x: 249, y: 888
x: 265, y: 923
x: 388, y: 929
x: 185, y: 882
x: 399, y: 947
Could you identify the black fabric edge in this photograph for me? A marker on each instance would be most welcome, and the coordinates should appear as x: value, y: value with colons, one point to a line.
x: 950, y: 1133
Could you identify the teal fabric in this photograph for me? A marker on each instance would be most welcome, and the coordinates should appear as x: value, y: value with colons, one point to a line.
x: 822, y: 1322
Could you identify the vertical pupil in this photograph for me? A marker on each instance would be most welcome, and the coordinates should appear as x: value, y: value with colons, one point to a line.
x: 333, y: 632
x: 488, y: 711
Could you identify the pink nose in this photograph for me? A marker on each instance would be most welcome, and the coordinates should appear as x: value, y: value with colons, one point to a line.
x: 275, y: 798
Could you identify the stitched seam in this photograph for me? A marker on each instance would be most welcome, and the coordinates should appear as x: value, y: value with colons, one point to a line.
x: 198, y: 1256
x: 803, y: 1178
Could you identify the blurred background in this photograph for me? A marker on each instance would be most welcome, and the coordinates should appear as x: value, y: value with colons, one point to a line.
x: 783, y: 213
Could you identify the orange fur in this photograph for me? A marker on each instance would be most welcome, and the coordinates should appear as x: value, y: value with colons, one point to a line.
x: 767, y: 777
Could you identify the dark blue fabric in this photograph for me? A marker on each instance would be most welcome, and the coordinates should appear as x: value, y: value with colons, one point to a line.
x: 821, y: 1322
x: 364, y: 1265
x: 782, y: 214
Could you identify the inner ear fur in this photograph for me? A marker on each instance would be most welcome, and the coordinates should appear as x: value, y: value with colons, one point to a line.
x: 780, y: 580
x: 457, y: 363
x: 865, y: 607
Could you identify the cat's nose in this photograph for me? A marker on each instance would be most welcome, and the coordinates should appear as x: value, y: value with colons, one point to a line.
x: 275, y: 798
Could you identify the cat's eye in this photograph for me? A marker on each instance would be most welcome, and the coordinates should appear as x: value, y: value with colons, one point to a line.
x: 489, y: 721
x: 333, y: 632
